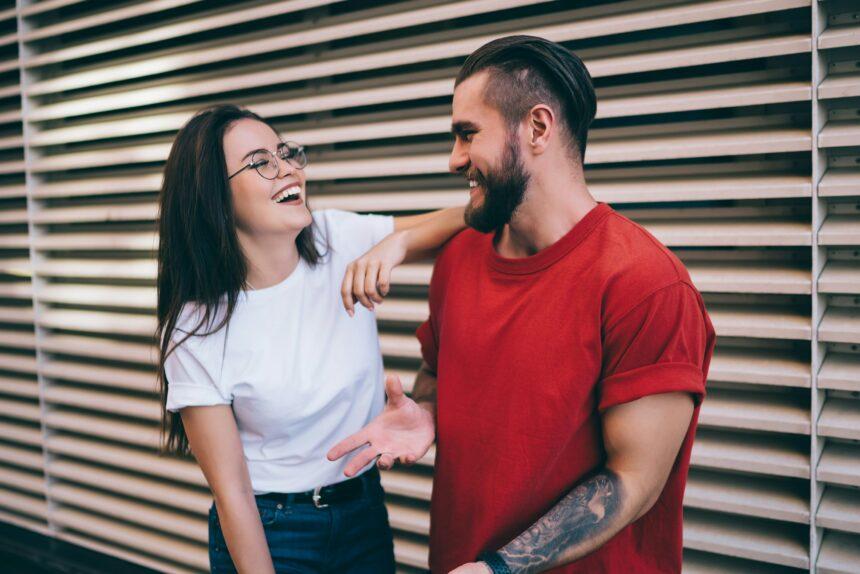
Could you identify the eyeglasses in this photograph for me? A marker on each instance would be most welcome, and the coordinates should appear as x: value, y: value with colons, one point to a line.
x: 267, y: 165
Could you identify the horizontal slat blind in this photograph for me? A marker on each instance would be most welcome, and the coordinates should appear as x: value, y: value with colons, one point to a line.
x: 837, y: 517
x: 704, y: 134
x: 23, y: 499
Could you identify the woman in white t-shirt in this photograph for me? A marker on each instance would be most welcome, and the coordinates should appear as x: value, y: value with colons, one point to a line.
x: 262, y: 369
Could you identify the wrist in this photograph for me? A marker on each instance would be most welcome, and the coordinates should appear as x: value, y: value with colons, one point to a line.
x: 404, y: 237
x: 494, y: 562
x: 428, y: 406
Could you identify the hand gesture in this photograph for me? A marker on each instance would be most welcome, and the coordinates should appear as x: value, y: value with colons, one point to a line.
x: 403, y: 431
x: 368, y: 278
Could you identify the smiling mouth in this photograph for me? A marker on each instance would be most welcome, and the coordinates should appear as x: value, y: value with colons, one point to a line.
x: 291, y: 193
x: 475, y: 186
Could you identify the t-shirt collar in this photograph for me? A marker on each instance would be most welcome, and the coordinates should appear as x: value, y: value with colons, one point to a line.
x: 549, y: 255
x: 294, y: 278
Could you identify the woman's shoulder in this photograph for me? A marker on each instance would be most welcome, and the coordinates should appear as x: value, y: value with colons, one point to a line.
x: 331, y: 219
x: 199, y: 320
x: 351, y: 234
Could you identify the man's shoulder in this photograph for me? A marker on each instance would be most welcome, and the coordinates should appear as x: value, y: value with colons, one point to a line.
x: 466, y: 243
x: 460, y: 252
x: 632, y: 254
x: 635, y: 265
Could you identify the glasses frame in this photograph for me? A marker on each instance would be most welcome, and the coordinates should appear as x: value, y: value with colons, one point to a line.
x: 298, y: 152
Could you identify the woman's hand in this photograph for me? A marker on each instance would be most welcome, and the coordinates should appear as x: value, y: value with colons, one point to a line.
x: 368, y: 278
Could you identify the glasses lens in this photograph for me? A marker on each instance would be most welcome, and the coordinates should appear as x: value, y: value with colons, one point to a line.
x: 294, y: 154
x: 265, y: 164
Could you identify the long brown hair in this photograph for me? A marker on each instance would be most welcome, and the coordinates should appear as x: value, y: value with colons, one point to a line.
x: 199, y: 256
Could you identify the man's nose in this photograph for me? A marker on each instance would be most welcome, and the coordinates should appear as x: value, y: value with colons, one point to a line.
x: 459, y: 160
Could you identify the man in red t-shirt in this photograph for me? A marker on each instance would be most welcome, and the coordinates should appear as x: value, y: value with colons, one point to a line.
x: 566, y: 351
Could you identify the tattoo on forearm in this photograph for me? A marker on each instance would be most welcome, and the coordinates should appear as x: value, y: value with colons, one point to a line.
x: 578, y: 524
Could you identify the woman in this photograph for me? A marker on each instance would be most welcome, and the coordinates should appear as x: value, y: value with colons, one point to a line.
x: 262, y: 371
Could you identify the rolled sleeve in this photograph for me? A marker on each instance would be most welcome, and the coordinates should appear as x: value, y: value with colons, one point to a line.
x: 660, y: 346
x: 181, y: 395
x: 190, y: 381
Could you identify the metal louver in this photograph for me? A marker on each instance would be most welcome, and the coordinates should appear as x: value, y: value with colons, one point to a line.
x: 729, y: 128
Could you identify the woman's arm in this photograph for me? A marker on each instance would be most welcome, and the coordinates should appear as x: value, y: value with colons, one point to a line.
x: 215, y: 442
x: 424, y: 234
x: 368, y: 278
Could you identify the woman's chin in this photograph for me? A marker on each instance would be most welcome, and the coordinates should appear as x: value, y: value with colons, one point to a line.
x: 295, y: 222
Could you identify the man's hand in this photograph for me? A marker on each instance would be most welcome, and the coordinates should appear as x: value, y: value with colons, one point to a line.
x: 472, y: 568
x: 368, y: 278
x: 403, y: 431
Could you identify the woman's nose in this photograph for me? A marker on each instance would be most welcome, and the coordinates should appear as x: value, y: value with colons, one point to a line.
x: 285, y: 168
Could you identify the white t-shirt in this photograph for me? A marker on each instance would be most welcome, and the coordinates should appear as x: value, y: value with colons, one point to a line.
x: 300, y: 373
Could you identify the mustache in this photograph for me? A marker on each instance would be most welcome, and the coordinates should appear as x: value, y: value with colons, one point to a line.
x: 476, y: 175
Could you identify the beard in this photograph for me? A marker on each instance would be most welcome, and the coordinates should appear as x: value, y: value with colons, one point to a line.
x: 504, y: 189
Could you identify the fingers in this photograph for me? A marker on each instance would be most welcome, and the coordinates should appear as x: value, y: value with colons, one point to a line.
x: 384, y: 279
x: 348, y: 445
x: 365, y: 281
x: 358, y: 284
x: 386, y: 461
x: 393, y: 389
x: 361, y: 460
x: 407, y: 459
x: 346, y: 290
x: 370, y: 280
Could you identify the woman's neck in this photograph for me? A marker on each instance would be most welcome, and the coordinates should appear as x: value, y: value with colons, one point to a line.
x: 271, y: 258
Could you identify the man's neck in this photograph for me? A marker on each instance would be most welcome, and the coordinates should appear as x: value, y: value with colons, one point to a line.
x: 271, y: 258
x: 544, y: 217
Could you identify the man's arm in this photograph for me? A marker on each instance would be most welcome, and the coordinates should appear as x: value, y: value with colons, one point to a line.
x: 424, y: 389
x: 642, y: 439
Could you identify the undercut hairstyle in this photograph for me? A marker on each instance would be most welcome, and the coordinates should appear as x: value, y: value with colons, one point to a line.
x: 525, y: 71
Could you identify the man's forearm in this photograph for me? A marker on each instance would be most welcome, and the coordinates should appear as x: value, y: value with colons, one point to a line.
x: 424, y: 389
x: 425, y: 237
x: 580, y: 523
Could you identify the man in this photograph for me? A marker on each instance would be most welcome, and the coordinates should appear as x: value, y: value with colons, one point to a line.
x: 566, y: 351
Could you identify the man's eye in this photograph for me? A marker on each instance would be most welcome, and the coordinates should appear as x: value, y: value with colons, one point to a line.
x: 467, y: 136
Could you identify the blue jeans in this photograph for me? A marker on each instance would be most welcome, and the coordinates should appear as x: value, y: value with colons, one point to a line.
x: 351, y: 537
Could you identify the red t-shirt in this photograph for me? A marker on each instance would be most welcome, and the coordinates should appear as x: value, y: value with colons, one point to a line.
x: 528, y: 352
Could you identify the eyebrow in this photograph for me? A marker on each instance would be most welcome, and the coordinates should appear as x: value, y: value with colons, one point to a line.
x: 253, y: 151
x: 459, y: 128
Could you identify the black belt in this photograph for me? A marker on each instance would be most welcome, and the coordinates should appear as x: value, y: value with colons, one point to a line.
x: 322, y: 496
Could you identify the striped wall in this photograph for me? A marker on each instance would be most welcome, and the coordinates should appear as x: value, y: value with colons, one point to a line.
x: 729, y: 128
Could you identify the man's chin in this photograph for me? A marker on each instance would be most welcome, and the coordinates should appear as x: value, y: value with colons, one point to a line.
x: 477, y: 220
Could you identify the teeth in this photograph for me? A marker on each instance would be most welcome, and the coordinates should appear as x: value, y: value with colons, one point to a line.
x: 287, y: 194
x: 473, y: 183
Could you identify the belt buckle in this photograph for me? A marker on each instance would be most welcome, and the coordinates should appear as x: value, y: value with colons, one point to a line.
x: 317, y: 498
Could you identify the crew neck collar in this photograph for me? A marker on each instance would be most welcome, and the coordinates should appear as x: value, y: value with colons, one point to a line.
x: 272, y: 290
x: 549, y: 255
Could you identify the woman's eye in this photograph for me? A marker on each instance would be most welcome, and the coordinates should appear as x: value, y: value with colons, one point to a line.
x: 260, y: 163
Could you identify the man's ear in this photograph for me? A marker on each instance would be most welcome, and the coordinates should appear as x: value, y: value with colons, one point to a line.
x: 541, y: 125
